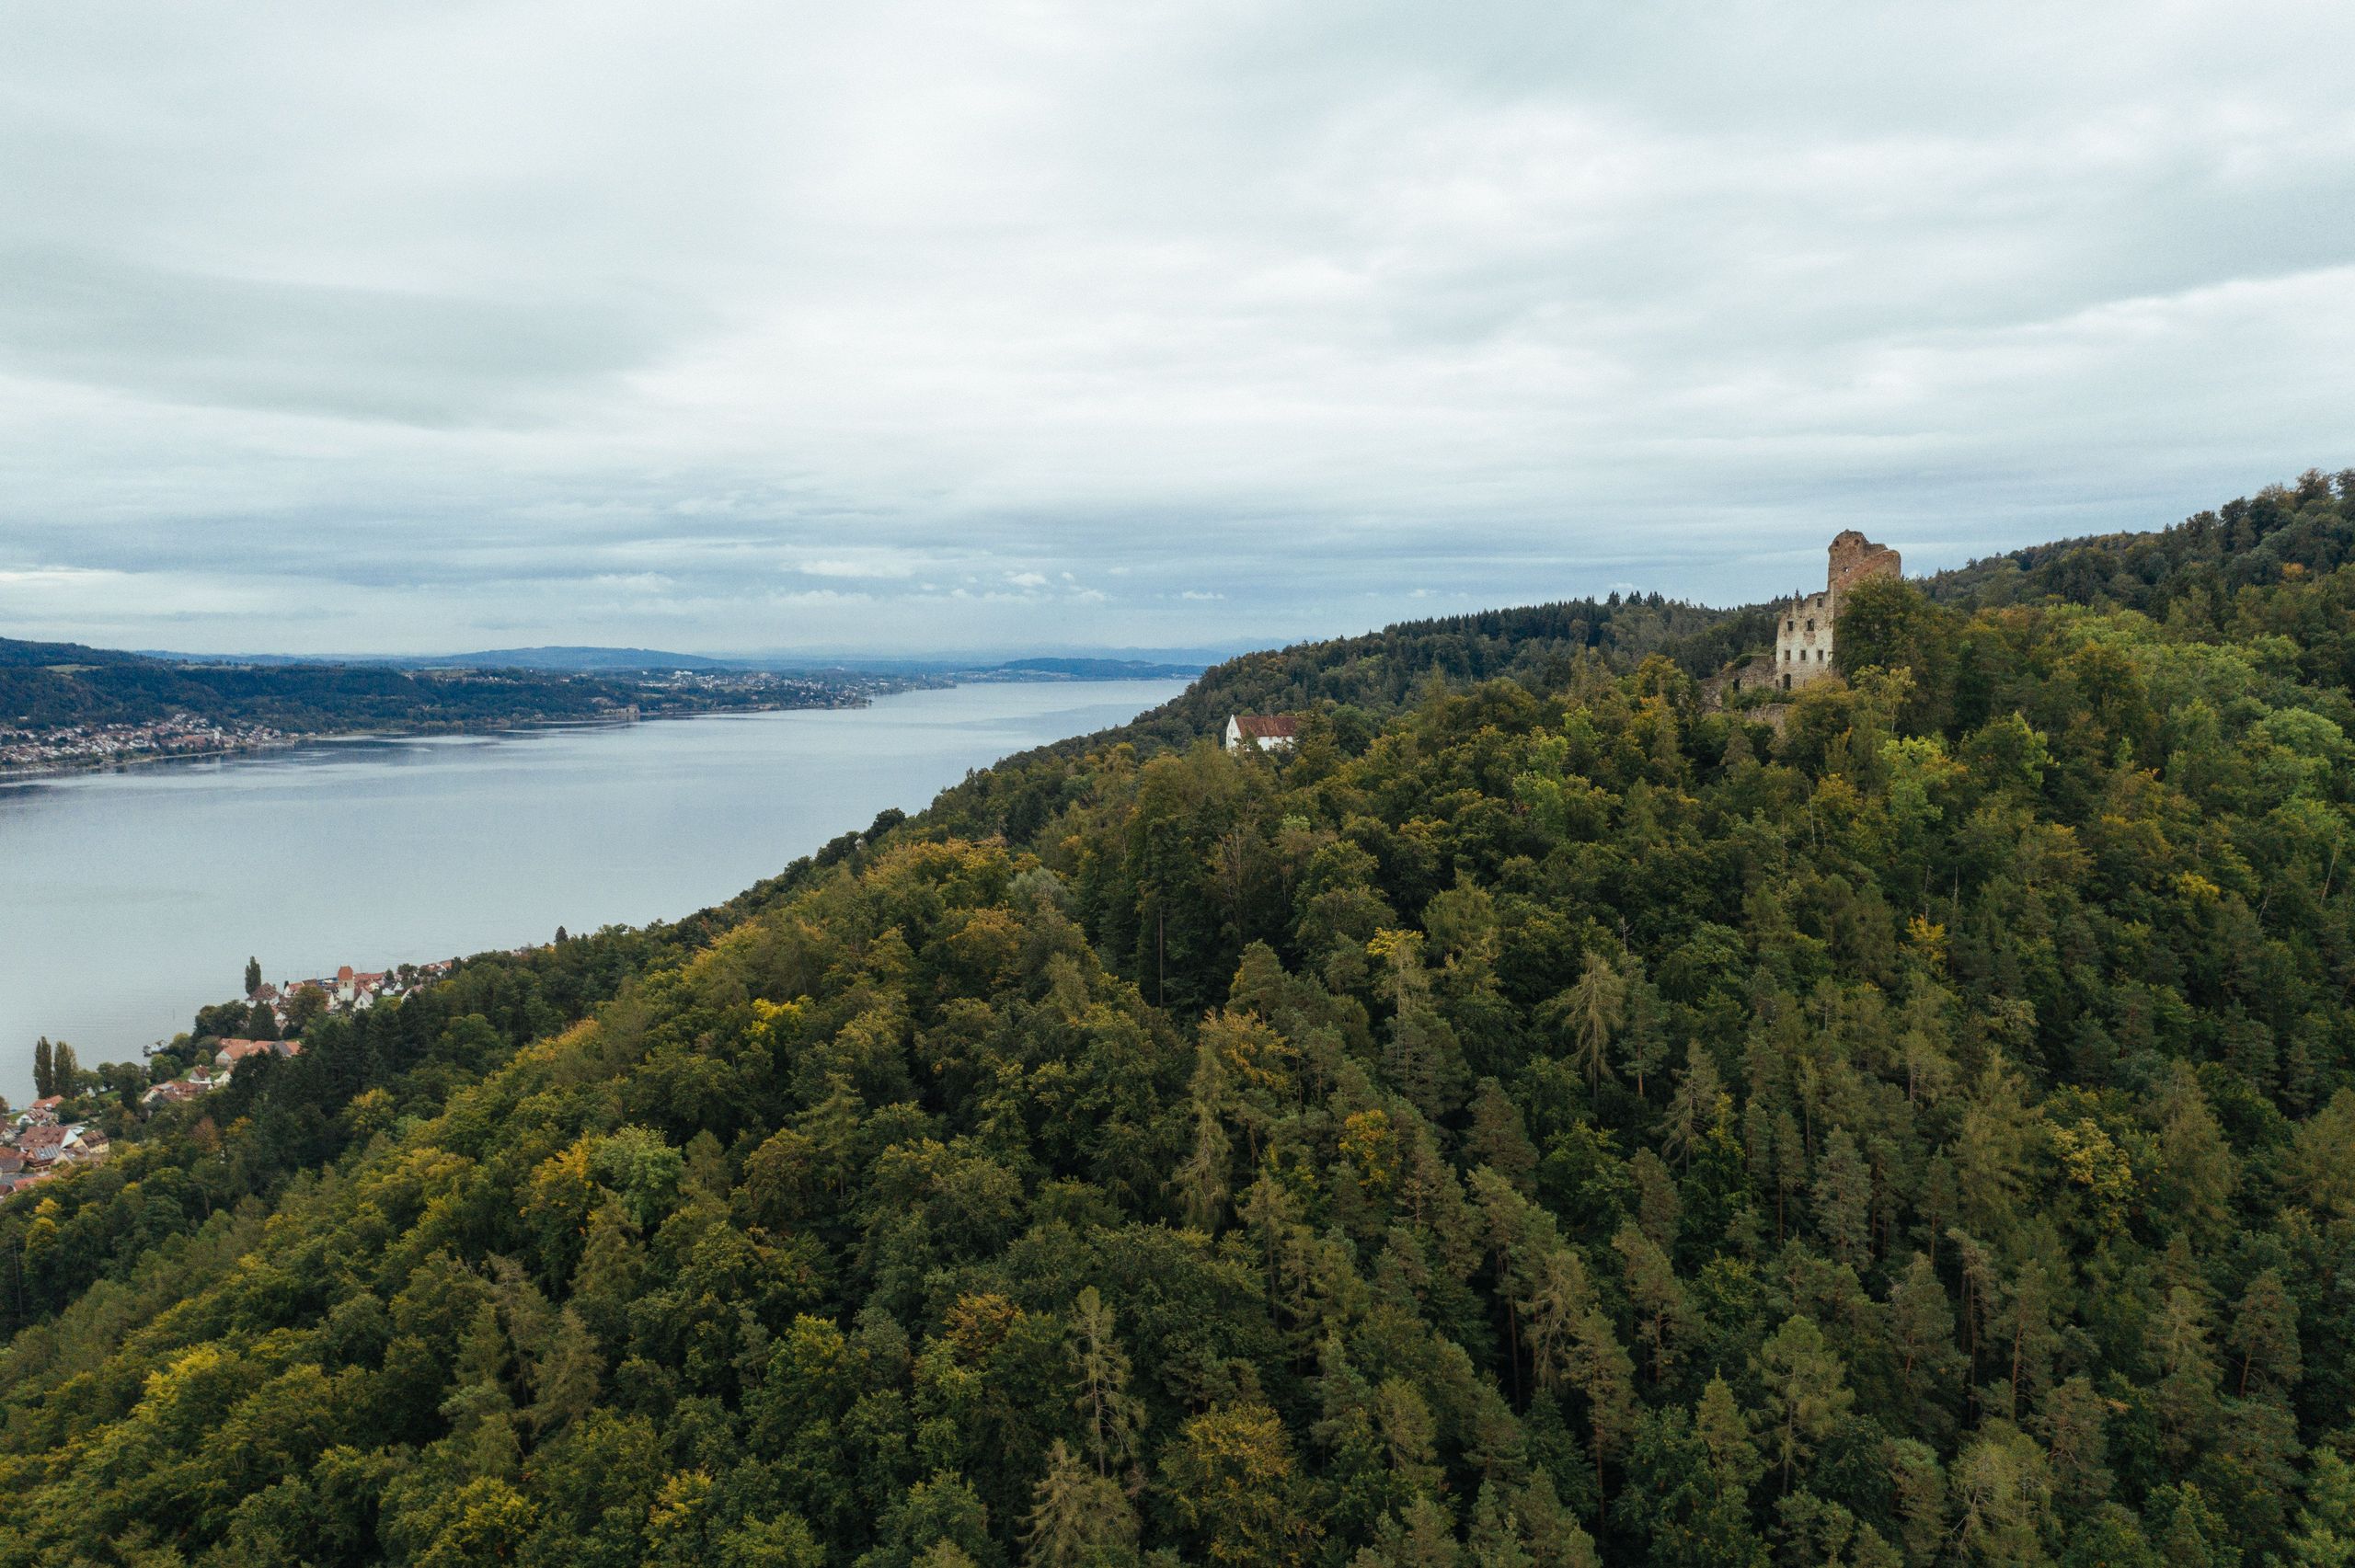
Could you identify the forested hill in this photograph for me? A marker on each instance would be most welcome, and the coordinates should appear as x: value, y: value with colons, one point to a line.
x: 50, y: 686
x: 1548, y: 1122
x: 1353, y: 682
x: 2243, y: 543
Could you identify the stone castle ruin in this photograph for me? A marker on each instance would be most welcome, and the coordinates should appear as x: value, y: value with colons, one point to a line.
x: 1803, y: 626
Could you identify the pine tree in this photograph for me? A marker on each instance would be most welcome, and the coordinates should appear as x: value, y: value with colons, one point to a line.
x: 1843, y: 1196
x: 1077, y: 1517
x: 565, y: 1382
x: 1724, y: 1430
x: 44, y: 1069
x: 65, y: 1070
x: 1110, y: 1414
x: 1807, y: 1390
x: 1422, y: 1058
x: 1421, y: 1535
x: 2070, y: 1424
x: 1657, y: 1298
x: 1201, y: 1178
x: 1643, y: 1044
x: 1557, y: 1293
x: 1498, y: 1139
x: 1921, y: 1327
x: 1693, y: 1107
x: 2264, y: 1335
x: 2325, y: 1533
x: 2176, y: 1342
x: 1600, y: 1367
x: 253, y: 975
x: 1658, y: 1207
x: 1590, y: 1012
x: 1496, y: 1540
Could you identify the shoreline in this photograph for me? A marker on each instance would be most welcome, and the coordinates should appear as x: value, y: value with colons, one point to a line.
x: 477, y: 862
x: 313, y: 737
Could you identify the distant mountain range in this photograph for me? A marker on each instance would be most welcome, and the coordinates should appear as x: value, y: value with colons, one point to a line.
x: 578, y: 660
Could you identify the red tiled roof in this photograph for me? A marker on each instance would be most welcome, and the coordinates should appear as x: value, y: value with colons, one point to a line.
x: 1267, y: 727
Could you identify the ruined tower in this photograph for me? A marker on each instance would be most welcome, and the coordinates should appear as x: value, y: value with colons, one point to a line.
x: 1803, y: 633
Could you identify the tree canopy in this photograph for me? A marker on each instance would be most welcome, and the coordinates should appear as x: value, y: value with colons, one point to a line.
x: 1543, y: 1119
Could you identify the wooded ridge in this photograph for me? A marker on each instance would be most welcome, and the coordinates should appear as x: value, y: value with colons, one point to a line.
x: 1540, y: 1119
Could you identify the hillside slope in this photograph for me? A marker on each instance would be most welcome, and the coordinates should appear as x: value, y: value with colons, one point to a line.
x: 45, y: 686
x: 1541, y: 1122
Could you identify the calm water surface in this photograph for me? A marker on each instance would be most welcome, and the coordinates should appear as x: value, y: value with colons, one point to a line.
x: 129, y: 898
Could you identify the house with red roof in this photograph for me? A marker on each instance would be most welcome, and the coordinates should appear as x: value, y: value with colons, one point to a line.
x: 232, y: 1052
x: 1266, y: 732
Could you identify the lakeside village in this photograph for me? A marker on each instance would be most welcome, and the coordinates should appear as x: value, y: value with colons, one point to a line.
x: 655, y: 694
x: 41, y: 1142
x: 99, y: 745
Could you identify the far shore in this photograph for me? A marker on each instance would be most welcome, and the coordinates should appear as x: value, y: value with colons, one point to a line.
x: 72, y: 767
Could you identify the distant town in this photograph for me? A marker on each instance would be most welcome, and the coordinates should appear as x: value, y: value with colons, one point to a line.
x: 100, y: 745
x: 29, y: 745
x: 64, y: 706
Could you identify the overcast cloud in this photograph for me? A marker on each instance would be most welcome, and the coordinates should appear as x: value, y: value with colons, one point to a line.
x: 428, y: 325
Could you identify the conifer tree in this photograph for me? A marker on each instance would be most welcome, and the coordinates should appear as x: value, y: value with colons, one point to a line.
x: 2264, y: 1336
x: 1108, y: 1411
x: 1590, y: 1012
x: 1844, y: 1195
x: 1693, y: 1107
x: 1807, y: 1391
x: 1078, y: 1516
x: 1657, y: 1296
x: 565, y: 1380
x: 1422, y: 1058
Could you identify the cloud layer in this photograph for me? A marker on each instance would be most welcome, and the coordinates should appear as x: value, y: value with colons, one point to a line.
x: 739, y: 327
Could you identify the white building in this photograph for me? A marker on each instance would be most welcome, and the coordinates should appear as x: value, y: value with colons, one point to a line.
x: 1268, y: 732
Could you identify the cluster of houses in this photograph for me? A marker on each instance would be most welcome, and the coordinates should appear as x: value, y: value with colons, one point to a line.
x: 35, y: 1145
x: 350, y: 990
x: 204, y: 1078
x: 182, y: 735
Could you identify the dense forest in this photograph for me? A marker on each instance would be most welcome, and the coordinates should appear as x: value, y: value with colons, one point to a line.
x: 1543, y: 1120
x: 47, y: 686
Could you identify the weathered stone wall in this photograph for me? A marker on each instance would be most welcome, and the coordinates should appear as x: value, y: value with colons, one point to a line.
x: 1803, y: 640
x: 1856, y: 557
x: 1803, y: 635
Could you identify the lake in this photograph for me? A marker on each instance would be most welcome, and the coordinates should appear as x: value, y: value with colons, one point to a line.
x: 130, y: 898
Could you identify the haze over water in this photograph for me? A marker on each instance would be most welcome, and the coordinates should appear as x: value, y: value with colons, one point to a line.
x: 130, y: 898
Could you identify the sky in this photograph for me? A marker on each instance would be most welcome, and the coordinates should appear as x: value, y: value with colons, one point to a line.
x: 904, y: 326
